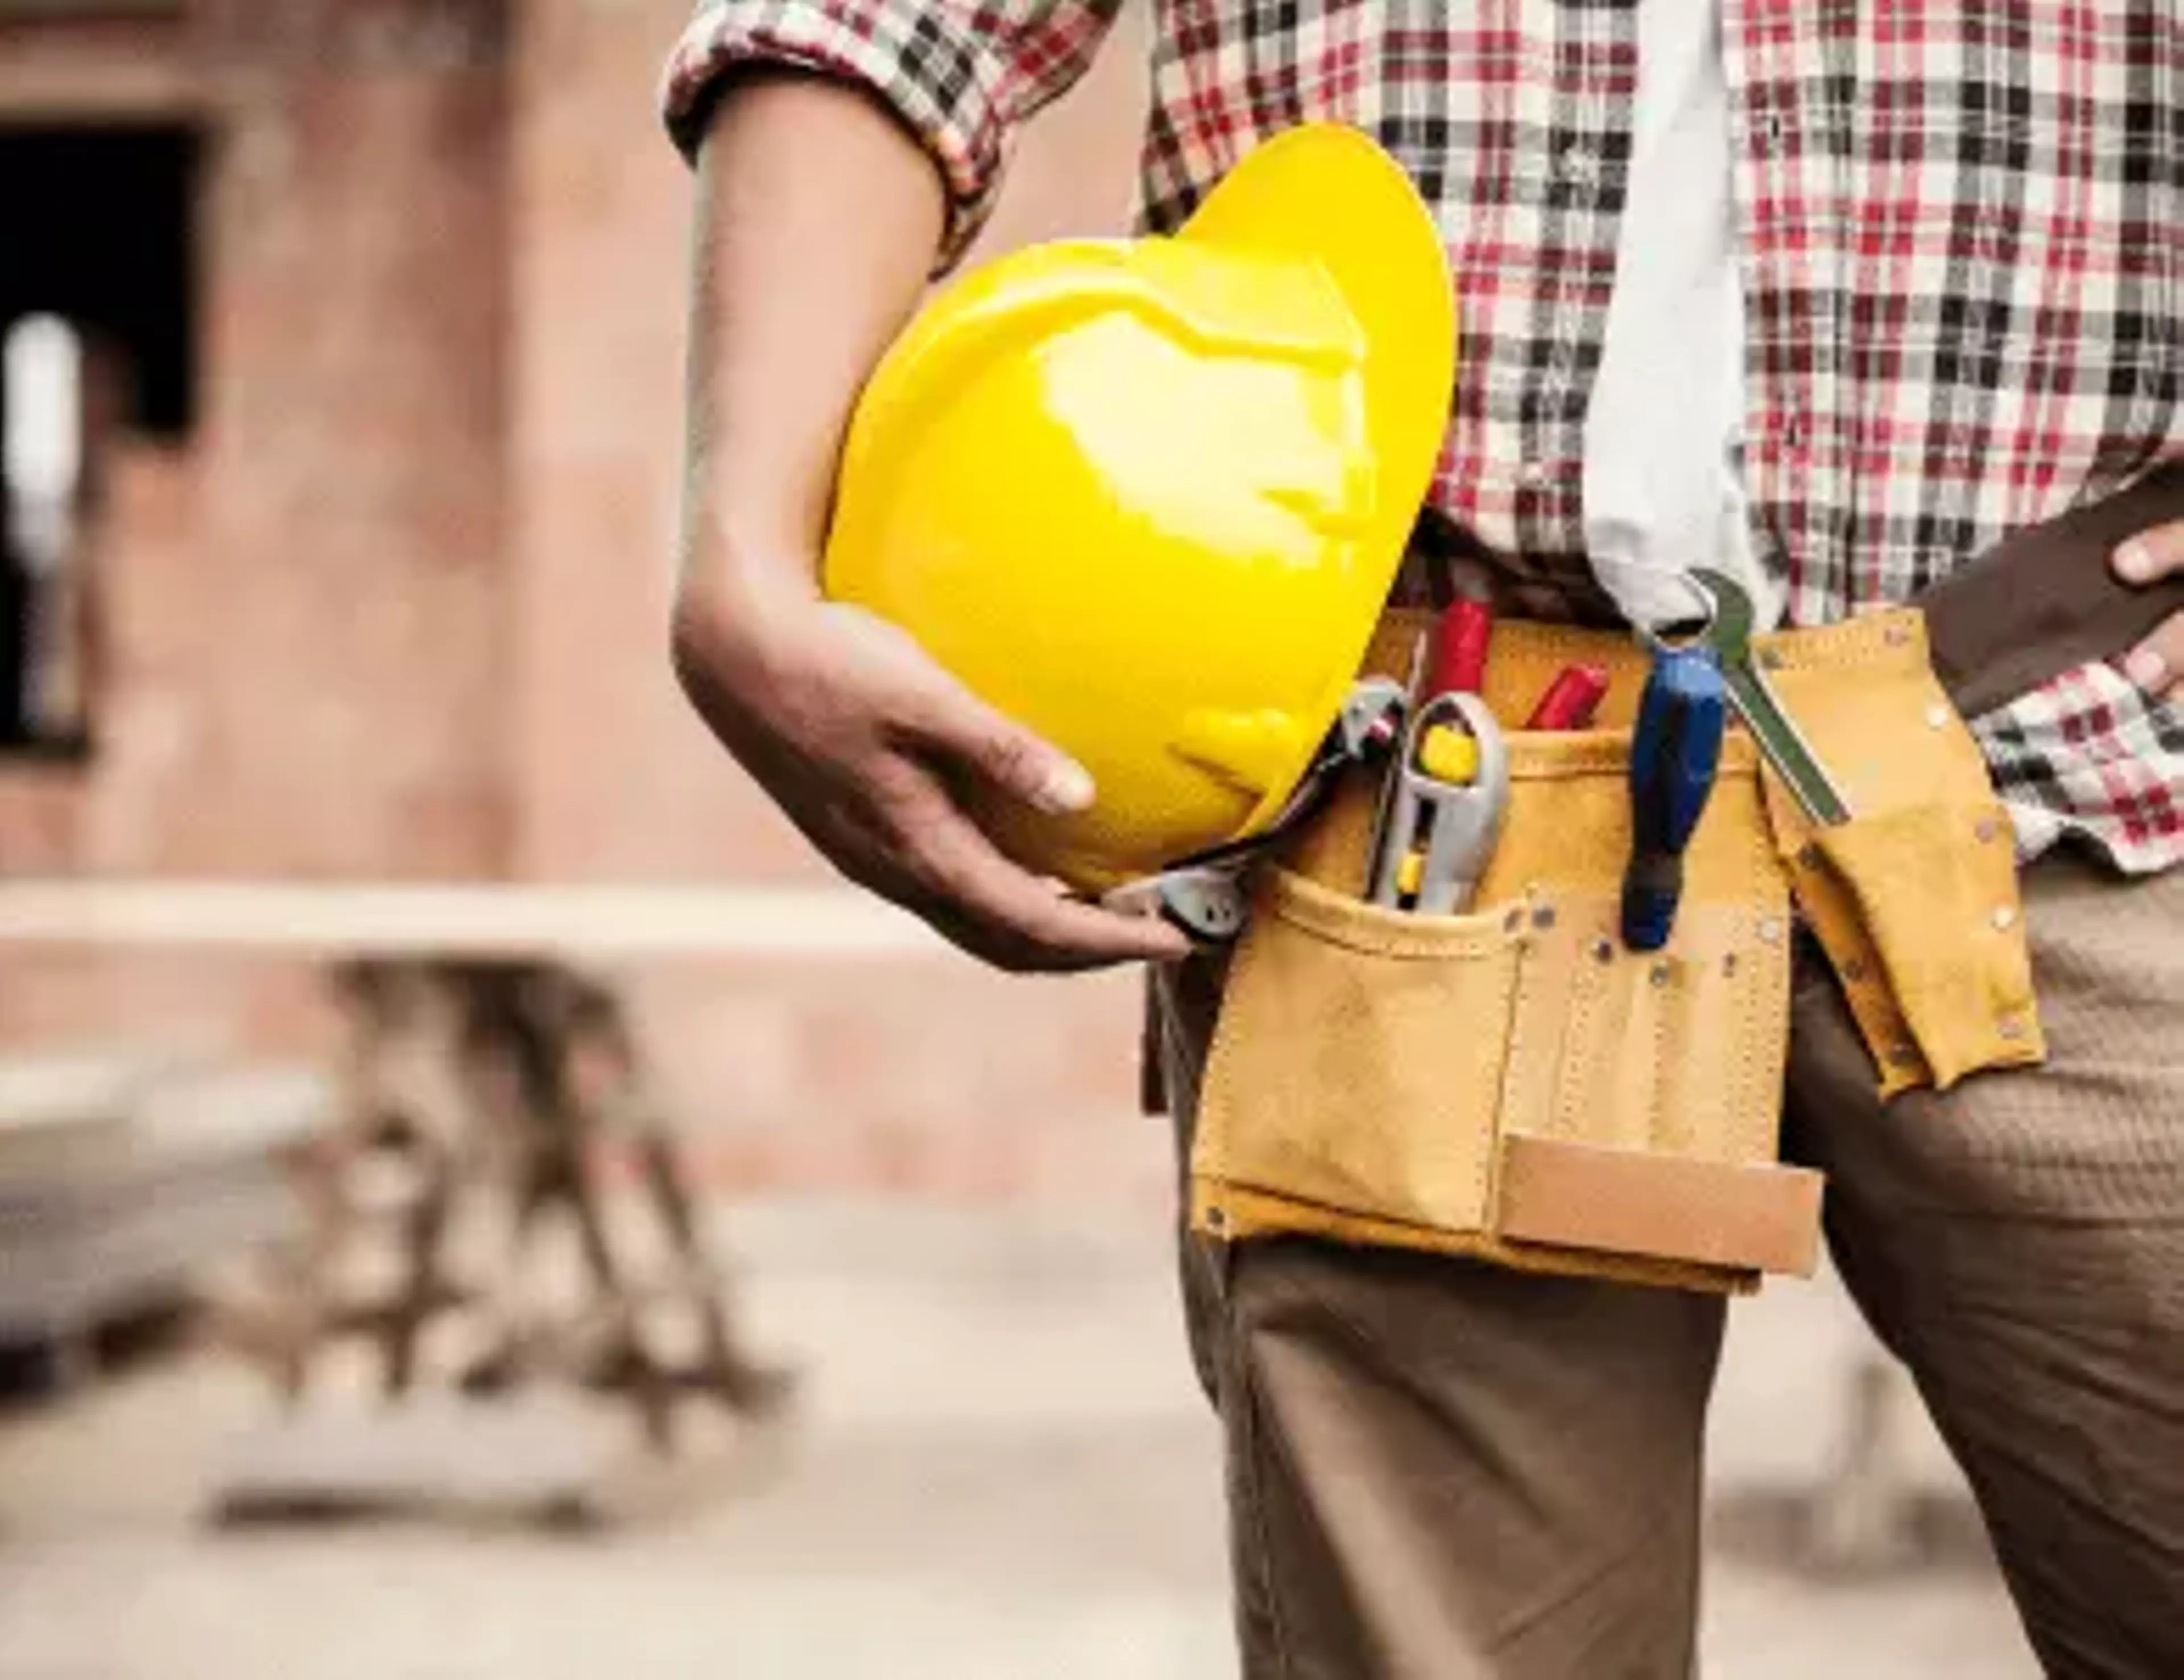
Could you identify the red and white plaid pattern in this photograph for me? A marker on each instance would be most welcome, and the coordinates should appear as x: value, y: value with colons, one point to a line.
x: 1964, y: 258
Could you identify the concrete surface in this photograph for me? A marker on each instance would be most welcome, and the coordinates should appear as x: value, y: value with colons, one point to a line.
x: 1002, y: 1472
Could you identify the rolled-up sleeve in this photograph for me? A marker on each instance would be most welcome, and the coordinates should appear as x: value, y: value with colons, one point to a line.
x: 962, y: 75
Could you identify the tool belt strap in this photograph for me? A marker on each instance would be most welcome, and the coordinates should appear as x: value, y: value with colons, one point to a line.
x: 2044, y: 601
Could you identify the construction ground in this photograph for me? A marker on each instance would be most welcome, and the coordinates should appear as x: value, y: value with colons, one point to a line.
x: 1001, y: 1471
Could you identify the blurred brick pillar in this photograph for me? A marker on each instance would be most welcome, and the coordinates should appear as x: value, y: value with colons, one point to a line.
x: 356, y: 267
x: 398, y: 608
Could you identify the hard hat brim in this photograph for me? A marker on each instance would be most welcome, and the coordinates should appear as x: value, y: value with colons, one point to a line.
x: 1325, y: 192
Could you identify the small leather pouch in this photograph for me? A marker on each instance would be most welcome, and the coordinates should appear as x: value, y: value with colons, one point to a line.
x: 1915, y: 898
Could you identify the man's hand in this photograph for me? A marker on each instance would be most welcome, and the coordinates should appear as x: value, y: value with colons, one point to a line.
x: 2157, y: 664
x: 859, y: 737
x: 862, y: 739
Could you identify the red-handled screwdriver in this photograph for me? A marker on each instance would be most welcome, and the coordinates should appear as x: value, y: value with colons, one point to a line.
x: 1458, y: 662
x: 1572, y: 699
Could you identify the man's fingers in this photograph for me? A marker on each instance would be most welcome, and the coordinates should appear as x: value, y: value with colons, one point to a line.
x: 2156, y: 666
x: 899, y: 835
x: 1008, y: 914
x: 2152, y: 554
x: 867, y: 859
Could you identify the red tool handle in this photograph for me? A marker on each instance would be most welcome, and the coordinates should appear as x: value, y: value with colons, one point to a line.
x: 1571, y: 699
x: 1457, y: 665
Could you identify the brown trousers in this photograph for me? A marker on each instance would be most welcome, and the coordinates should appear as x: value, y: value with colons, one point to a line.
x: 1437, y: 1470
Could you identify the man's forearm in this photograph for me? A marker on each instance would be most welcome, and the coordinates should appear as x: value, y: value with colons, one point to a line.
x: 817, y: 218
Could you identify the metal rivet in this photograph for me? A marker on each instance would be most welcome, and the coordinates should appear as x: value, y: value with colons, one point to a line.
x: 1544, y: 916
x: 1853, y: 972
x: 1988, y: 832
x: 1770, y: 659
x: 1728, y: 965
x: 1218, y: 1218
x: 1770, y: 931
x: 1660, y: 976
x: 1808, y: 857
x: 2010, y: 1028
x: 2004, y: 918
x: 1937, y: 716
x: 1895, y: 635
x: 1602, y: 951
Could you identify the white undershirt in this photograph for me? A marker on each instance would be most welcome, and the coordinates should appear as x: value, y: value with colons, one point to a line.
x: 1662, y: 485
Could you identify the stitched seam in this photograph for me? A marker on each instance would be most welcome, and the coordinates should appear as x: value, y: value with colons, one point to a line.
x: 1656, y: 1093
x: 1764, y: 1004
x: 1485, y: 1179
x: 1513, y: 1050
x: 1211, y: 1142
x: 1336, y: 919
x: 1251, y: 1489
x: 1276, y: 1193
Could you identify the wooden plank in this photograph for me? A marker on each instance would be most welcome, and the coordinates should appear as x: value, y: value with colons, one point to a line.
x: 529, y: 1458
x: 77, y: 10
x: 99, y: 63
x: 539, y: 1456
x: 56, y: 88
x: 482, y: 921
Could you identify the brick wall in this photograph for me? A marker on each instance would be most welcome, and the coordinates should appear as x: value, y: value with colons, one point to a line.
x: 398, y: 610
x: 601, y: 218
x: 309, y: 597
x: 931, y: 1072
x: 355, y: 429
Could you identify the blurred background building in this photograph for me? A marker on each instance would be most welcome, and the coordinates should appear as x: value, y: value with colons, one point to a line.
x: 363, y: 318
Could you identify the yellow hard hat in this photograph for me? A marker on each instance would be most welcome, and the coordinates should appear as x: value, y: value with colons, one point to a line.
x: 1147, y: 496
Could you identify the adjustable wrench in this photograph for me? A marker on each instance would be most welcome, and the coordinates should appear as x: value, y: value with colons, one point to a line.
x: 1729, y: 633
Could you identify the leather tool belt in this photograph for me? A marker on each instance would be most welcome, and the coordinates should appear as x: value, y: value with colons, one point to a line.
x: 1513, y: 1083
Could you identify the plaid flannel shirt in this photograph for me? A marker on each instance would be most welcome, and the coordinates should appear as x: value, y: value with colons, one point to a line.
x: 1962, y: 253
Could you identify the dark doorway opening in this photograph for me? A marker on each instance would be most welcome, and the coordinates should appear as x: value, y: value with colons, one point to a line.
x: 98, y: 314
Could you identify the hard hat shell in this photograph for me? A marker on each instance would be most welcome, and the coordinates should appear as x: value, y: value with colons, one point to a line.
x: 1148, y: 496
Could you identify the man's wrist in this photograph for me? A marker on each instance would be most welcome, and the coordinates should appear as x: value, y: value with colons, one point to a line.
x: 737, y: 601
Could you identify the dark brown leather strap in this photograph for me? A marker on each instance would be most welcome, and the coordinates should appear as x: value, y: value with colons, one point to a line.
x: 2043, y: 601
x: 1152, y: 1070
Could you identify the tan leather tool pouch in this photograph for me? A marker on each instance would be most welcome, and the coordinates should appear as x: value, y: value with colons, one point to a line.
x: 1513, y: 1083
x: 1915, y: 898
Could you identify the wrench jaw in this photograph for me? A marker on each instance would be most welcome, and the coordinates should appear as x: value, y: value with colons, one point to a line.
x: 1732, y: 619
x: 1773, y: 730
